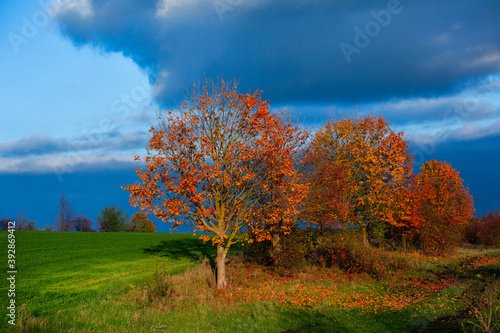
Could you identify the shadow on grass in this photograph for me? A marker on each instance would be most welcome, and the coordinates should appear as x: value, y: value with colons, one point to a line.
x: 193, y: 249
x: 448, y: 324
x: 351, y: 321
x: 313, y: 321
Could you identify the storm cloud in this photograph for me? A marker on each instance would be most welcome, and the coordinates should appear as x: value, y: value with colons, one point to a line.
x: 297, y: 51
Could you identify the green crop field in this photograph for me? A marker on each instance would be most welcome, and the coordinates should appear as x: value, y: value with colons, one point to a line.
x: 113, y: 282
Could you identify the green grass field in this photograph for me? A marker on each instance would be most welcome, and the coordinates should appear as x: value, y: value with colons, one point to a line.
x: 102, y: 282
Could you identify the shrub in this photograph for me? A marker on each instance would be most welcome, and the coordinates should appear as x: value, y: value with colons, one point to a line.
x: 159, y: 287
x: 484, y: 305
x: 470, y: 231
x: 488, y: 229
x: 285, y: 252
x: 348, y: 254
x: 4, y: 223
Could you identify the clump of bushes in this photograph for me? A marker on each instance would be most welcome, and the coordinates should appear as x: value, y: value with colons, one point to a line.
x: 483, y: 305
x: 167, y: 292
x: 484, y: 230
x: 328, y: 248
x: 351, y: 256
x: 285, y: 252
x: 159, y: 287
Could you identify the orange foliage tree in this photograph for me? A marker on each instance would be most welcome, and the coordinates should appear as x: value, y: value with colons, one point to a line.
x: 204, y: 165
x: 440, y: 206
x: 375, y: 164
x: 329, y: 202
x: 280, y: 192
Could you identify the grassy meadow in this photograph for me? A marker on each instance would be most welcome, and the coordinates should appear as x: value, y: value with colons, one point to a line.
x: 133, y: 282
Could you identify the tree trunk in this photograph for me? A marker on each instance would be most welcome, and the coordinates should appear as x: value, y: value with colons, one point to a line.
x: 365, y: 236
x: 276, y: 249
x: 221, y: 267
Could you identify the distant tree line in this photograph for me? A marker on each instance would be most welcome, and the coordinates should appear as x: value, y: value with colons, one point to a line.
x: 109, y: 219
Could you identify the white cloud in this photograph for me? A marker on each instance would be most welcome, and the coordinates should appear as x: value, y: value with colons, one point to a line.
x: 165, y: 7
x: 61, y: 164
x: 490, y: 59
x: 81, y: 7
x: 467, y: 132
x: 472, y: 131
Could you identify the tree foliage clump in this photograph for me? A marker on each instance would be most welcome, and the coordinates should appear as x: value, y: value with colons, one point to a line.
x: 440, y: 207
x: 112, y: 219
x: 484, y: 230
x: 82, y: 223
x: 139, y: 222
x: 4, y: 223
x: 359, y: 168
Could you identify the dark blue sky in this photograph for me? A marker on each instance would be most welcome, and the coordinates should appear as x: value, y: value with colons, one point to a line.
x: 82, y: 80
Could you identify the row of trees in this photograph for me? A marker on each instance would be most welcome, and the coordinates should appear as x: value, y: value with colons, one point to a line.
x: 361, y: 174
x: 227, y: 165
x: 22, y: 223
x: 109, y: 219
x: 114, y: 219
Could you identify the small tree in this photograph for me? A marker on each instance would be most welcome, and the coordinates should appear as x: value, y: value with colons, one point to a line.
x: 65, y: 215
x: 112, y: 219
x: 203, y: 164
x: 82, y: 223
x: 24, y: 223
x: 139, y: 222
x: 440, y: 207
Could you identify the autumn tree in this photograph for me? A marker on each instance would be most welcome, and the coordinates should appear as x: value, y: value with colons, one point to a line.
x: 280, y: 191
x: 204, y: 164
x: 65, y: 215
x: 112, y: 219
x: 375, y: 164
x: 440, y: 206
x: 139, y: 222
x: 329, y: 201
x: 82, y: 224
